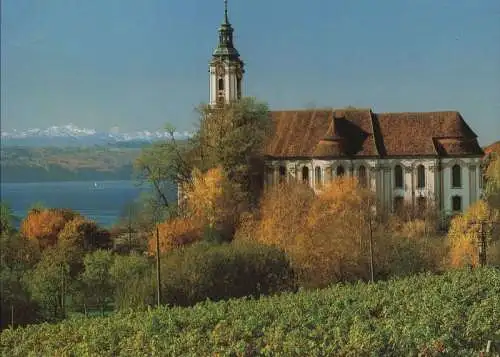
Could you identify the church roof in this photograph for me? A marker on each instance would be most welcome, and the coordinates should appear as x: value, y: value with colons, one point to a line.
x: 323, y: 133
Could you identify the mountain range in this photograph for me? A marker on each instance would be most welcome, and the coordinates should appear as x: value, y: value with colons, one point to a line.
x: 72, y: 135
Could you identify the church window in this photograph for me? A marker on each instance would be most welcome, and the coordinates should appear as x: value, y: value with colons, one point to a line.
x: 221, y: 84
x: 420, y: 176
x: 317, y: 176
x: 398, y: 204
x: 456, y: 176
x: 398, y: 176
x: 282, y: 174
x: 362, y: 176
x: 340, y: 171
x: 456, y: 204
x: 305, y: 175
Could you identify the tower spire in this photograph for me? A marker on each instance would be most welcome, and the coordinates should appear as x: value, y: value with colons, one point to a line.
x: 226, y: 18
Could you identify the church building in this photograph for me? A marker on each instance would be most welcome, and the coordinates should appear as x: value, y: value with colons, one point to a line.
x: 412, y: 158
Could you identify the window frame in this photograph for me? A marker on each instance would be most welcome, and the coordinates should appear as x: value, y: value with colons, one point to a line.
x: 421, y: 179
x: 396, y: 176
x: 460, y: 178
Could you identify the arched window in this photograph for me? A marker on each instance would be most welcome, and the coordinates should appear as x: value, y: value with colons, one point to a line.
x: 456, y: 176
x: 456, y: 204
x: 420, y: 176
x: 398, y: 176
x: 282, y: 177
x: 221, y: 84
x: 362, y: 176
x: 340, y: 171
x: 317, y: 176
x: 328, y: 174
x: 305, y: 175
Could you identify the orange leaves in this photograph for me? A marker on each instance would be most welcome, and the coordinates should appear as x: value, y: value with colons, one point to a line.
x: 175, y: 233
x: 323, y: 233
x: 50, y: 226
x: 44, y: 225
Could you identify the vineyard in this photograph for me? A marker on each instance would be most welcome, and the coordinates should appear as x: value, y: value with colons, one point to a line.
x: 454, y: 314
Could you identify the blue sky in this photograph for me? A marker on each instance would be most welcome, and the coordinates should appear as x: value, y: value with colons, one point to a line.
x: 138, y: 64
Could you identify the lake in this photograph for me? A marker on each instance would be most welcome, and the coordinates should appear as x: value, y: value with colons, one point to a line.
x: 102, y: 201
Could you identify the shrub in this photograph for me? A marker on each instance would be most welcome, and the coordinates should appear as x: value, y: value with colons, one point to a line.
x: 204, y: 271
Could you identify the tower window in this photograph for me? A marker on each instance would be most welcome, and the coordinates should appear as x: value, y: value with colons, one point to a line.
x: 221, y: 84
x: 420, y: 176
x: 398, y: 176
x: 456, y: 176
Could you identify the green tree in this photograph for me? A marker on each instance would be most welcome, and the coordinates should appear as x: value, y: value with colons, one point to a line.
x: 17, y: 256
x: 132, y: 281
x: 7, y: 218
x: 96, y: 279
x: 51, y: 283
x: 231, y: 137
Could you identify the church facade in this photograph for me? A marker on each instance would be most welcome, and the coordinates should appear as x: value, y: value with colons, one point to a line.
x: 405, y: 158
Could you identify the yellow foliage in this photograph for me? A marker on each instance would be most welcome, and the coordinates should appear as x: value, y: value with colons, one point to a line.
x: 465, y: 233
x: 324, y: 234
x: 175, y: 233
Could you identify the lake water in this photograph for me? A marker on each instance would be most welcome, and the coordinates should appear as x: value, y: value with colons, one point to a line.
x: 101, y: 201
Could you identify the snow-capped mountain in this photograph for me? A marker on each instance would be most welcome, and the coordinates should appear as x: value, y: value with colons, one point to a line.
x: 72, y: 135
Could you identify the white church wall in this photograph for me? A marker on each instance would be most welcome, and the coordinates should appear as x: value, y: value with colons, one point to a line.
x: 380, y: 178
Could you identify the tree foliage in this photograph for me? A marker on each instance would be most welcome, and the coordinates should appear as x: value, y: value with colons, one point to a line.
x: 465, y: 232
x: 44, y: 225
x: 96, y: 278
x: 175, y: 233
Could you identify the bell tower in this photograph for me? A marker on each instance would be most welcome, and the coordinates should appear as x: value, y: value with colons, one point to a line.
x: 226, y: 67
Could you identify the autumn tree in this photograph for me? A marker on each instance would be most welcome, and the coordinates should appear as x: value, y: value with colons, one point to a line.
x: 326, y: 235
x: 44, y: 225
x: 466, y: 233
x: 84, y: 234
x: 215, y: 202
x: 231, y: 137
x: 175, y: 233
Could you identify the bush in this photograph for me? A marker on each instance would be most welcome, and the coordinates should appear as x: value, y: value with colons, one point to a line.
x: 204, y: 271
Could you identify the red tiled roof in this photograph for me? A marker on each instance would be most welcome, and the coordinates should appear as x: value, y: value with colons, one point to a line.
x: 362, y: 133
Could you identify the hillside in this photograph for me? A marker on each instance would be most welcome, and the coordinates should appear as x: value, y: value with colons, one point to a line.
x: 23, y: 164
x: 454, y: 314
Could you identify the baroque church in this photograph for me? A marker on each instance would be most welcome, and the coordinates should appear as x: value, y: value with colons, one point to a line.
x: 405, y: 158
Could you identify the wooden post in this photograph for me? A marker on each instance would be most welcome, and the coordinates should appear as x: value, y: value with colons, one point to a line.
x: 12, y: 316
x: 158, y: 280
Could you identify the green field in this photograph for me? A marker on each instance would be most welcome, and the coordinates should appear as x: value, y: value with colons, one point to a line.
x: 454, y: 314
